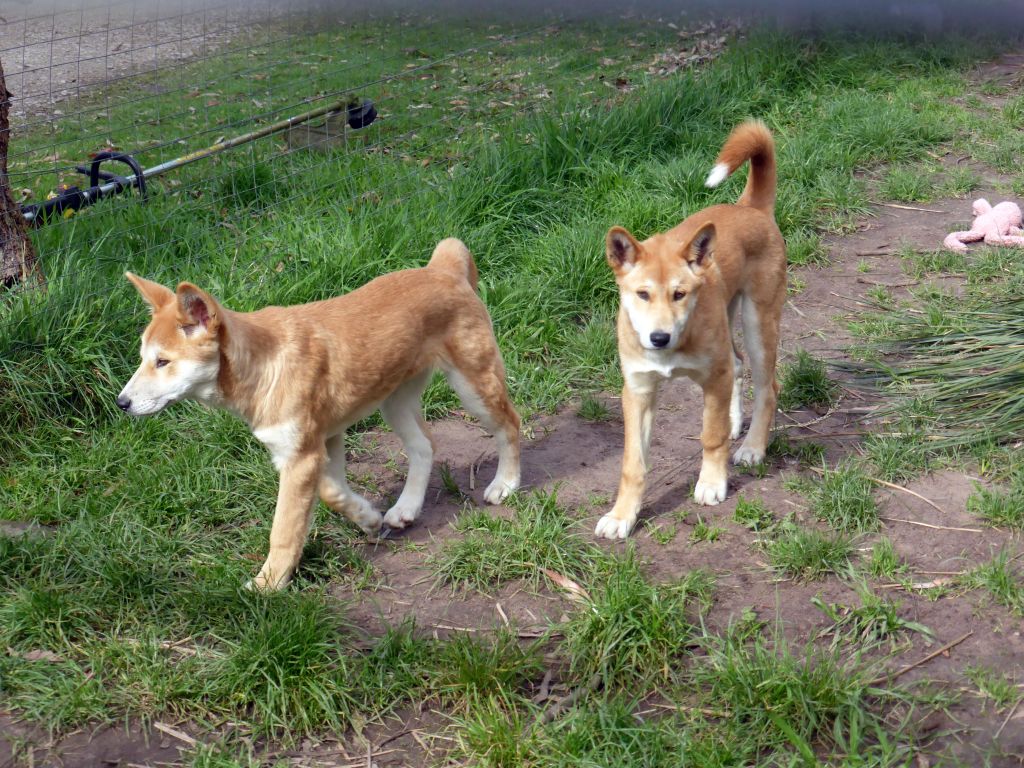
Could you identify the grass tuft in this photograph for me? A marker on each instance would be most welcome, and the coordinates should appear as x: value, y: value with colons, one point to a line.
x: 807, y: 554
x: 999, y: 689
x: 493, y: 550
x: 805, y: 384
x: 702, y: 532
x: 884, y: 562
x: 907, y: 183
x: 634, y: 632
x: 875, y: 620
x: 1000, y: 507
x: 592, y: 409
x: 998, y: 578
x: 897, y: 459
x: 843, y: 498
x: 807, y: 452
x: 284, y: 668
x: 778, y: 698
x: 753, y: 514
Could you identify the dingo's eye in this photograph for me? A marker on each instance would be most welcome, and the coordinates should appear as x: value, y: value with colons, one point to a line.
x: 678, y: 295
x: 643, y: 295
x: 161, y: 362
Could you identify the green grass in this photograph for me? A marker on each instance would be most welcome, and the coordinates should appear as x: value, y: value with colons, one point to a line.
x: 744, y: 703
x: 806, y: 249
x: 875, y: 620
x: 469, y: 672
x: 843, y: 498
x: 788, y: 701
x: 450, y: 484
x: 1000, y: 507
x: 897, y: 458
x: 909, y: 183
x: 592, y: 409
x: 634, y: 631
x: 954, y: 361
x: 807, y: 554
x: 922, y: 263
x: 884, y: 562
x: 753, y: 514
x: 1000, y: 580
x: 703, y: 532
x: 806, y: 384
x: 992, y: 686
x: 664, y: 534
x: 807, y: 452
x: 492, y: 551
x: 959, y: 182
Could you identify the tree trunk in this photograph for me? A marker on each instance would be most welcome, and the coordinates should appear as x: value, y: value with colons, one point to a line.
x: 17, y: 256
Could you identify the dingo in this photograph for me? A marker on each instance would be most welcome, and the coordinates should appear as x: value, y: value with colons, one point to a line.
x: 680, y: 291
x: 301, y: 375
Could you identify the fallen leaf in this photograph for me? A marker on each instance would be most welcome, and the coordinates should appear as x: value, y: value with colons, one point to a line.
x: 36, y: 655
x: 576, y: 592
x: 931, y: 584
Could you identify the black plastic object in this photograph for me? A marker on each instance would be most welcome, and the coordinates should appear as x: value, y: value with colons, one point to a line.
x: 361, y: 115
x: 95, y: 174
x: 75, y: 198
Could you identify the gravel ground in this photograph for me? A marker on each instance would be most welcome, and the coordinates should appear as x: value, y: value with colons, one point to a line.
x: 53, y: 54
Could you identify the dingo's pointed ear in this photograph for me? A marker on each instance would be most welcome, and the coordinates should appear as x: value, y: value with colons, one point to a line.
x: 154, y: 294
x: 621, y: 249
x: 701, y: 249
x: 197, y: 309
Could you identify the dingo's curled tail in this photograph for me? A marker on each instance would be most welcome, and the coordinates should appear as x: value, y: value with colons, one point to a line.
x: 452, y: 255
x: 749, y: 141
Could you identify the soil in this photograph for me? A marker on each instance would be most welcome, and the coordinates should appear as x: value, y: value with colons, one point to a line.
x: 581, y: 460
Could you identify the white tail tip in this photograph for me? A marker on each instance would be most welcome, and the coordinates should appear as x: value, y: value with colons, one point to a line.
x: 718, y: 174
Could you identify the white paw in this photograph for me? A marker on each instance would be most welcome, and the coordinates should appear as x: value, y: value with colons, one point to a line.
x: 710, y: 493
x: 499, y: 490
x: 735, y: 429
x: 263, y: 584
x: 365, y: 516
x: 747, y: 455
x: 401, y: 515
x: 612, y: 527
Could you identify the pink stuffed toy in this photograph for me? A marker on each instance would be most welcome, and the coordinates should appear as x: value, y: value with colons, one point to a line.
x: 996, y: 226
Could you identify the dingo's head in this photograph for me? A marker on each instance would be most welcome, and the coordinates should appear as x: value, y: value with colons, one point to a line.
x: 180, y: 349
x: 659, y: 281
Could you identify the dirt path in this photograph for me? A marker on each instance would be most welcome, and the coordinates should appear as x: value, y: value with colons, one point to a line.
x: 580, y: 459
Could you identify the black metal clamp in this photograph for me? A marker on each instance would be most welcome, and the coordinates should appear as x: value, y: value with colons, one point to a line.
x: 95, y: 174
x: 101, y: 184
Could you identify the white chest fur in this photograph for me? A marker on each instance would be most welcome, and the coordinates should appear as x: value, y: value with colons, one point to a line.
x: 665, y: 365
x: 281, y: 440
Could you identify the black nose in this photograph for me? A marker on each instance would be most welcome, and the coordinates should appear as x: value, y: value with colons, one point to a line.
x: 123, y: 403
x: 660, y: 339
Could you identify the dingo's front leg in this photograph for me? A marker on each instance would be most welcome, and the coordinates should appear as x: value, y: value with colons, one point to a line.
x: 295, y: 497
x: 713, y: 480
x: 638, y: 413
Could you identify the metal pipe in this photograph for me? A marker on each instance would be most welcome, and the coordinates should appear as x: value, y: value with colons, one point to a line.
x: 359, y: 117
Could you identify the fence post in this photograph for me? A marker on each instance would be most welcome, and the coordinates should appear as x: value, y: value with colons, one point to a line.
x: 18, y: 261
